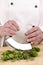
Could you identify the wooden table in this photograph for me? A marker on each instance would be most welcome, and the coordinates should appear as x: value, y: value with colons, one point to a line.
x: 37, y: 61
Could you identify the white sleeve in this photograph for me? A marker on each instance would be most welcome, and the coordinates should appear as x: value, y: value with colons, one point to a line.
x: 2, y: 18
x: 1, y: 39
x: 41, y: 15
x: 41, y: 27
x: 3, y: 11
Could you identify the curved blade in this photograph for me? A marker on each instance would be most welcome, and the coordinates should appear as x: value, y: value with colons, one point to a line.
x: 17, y: 45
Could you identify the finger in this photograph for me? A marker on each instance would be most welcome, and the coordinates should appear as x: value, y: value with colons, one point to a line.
x: 31, y: 43
x: 11, y: 22
x: 10, y: 31
x: 34, y: 34
x: 8, y: 34
x: 12, y: 27
x: 35, y: 39
x: 15, y: 24
x: 5, y: 33
x: 31, y: 30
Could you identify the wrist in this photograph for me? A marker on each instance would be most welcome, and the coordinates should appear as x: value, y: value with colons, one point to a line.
x: 1, y: 31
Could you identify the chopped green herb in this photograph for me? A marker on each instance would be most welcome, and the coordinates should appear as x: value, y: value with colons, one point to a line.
x: 20, y: 55
x: 36, y: 49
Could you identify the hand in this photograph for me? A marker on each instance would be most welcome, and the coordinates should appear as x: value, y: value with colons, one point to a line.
x: 34, y: 35
x: 10, y: 28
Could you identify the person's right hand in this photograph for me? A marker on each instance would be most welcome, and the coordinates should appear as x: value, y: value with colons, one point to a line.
x: 9, y: 29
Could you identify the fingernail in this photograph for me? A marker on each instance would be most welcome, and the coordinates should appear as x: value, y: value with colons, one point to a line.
x: 18, y: 29
x: 27, y: 37
x: 28, y: 40
x: 26, y: 33
x: 31, y: 43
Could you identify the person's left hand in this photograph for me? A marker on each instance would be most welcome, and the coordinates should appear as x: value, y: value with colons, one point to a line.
x: 34, y: 35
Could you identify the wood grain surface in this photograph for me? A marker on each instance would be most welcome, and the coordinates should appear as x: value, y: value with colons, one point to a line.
x: 37, y: 61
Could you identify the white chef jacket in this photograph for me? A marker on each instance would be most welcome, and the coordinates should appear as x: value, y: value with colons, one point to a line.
x: 25, y: 12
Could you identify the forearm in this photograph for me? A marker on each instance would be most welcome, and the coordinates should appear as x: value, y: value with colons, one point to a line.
x: 42, y: 35
x: 1, y: 37
x: 1, y: 31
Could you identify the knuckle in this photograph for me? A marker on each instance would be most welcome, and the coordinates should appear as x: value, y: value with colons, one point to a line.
x: 40, y: 36
x: 35, y: 39
x: 37, y: 28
